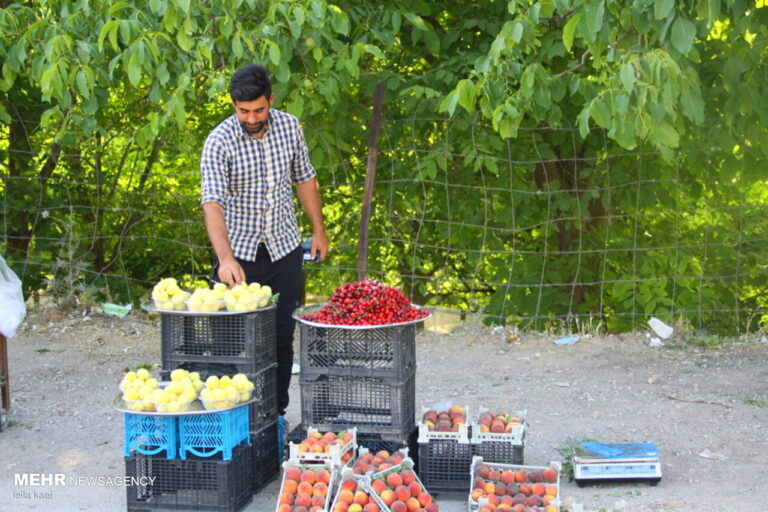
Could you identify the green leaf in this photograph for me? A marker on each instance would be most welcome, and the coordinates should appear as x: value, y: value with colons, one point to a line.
x: 114, y: 8
x: 601, y: 113
x: 662, y: 8
x: 449, y: 102
x: 184, y: 5
x: 340, y: 21
x: 627, y: 76
x: 683, y: 33
x: 583, y: 122
x: 714, y: 12
x: 274, y: 52
x: 185, y: 42
x: 82, y: 83
x: 133, y: 68
x: 466, y: 94
x: 162, y: 73
x: 296, y: 107
x: 517, y: 31
x: 569, y: 31
x: 594, y: 11
x: 664, y: 133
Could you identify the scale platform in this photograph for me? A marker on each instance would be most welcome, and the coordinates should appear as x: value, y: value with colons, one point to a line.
x: 603, y: 462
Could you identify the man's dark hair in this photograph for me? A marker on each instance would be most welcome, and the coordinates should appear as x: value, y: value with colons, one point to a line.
x: 249, y: 83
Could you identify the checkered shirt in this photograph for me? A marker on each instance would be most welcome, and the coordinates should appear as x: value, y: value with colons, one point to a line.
x: 252, y: 178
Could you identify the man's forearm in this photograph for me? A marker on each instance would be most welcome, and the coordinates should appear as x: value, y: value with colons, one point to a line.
x: 216, y: 226
x: 309, y: 196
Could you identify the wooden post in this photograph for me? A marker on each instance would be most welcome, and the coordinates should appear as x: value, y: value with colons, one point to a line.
x: 370, y: 178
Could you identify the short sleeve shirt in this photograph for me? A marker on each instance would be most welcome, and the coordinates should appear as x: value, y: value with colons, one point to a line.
x: 252, y: 179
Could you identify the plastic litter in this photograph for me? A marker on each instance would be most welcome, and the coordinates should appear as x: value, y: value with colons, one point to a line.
x: 567, y: 340
x: 661, y: 329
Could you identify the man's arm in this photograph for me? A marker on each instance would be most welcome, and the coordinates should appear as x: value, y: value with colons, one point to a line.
x: 309, y: 196
x: 230, y: 271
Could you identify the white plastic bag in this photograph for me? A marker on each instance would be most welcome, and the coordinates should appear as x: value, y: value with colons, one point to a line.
x: 12, y: 308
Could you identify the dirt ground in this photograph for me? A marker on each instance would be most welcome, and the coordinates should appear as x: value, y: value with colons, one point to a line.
x: 706, y: 409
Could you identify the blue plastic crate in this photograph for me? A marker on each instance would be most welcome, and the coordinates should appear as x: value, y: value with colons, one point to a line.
x: 150, y: 435
x: 205, y: 435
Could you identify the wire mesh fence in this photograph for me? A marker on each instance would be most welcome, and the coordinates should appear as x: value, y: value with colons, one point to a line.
x: 542, y: 230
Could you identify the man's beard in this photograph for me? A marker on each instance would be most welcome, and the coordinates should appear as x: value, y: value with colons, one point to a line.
x: 251, y: 129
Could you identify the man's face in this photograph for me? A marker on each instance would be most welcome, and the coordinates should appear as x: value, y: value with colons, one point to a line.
x: 253, y: 115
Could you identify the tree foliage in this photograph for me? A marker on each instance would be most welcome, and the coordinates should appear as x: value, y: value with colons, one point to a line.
x: 550, y: 158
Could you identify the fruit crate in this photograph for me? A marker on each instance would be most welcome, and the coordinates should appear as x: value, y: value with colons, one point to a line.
x: 374, y: 351
x: 504, y: 447
x: 207, y: 435
x: 158, y: 483
x: 263, y: 411
x: 266, y: 461
x: 373, y: 405
x: 461, y: 434
x: 379, y: 442
x: 348, y: 485
x: 444, y: 465
x: 537, y: 486
x: 150, y: 434
x: 514, y: 437
x: 384, y: 502
x: 312, y: 483
x: 244, y: 340
x: 336, y: 456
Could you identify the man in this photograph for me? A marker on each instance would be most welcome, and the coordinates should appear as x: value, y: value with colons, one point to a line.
x: 248, y: 164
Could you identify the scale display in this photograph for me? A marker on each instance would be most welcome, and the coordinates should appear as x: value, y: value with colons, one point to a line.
x: 616, y: 461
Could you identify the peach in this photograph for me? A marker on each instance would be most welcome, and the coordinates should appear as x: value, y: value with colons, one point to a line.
x: 424, y: 498
x: 482, y: 471
x: 415, y: 488
x: 444, y: 426
x: 304, y: 488
x: 284, y: 508
x: 349, y: 484
x: 398, y: 506
x: 394, y: 480
x: 550, y: 475
x: 286, y: 498
x: 340, y: 506
x: 323, y: 476
x: 521, y: 476
x: 371, y: 507
x: 383, y: 454
x: 489, y: 488
x: 413, y: 504
x: 498, y: 426
x: 484, y: 428
x: 308, y: 476
x: 316, y: 508
x: 501, y: 489
x: 551, y: 490
x: 292, y: 474
x: 432, y: 507
x: 320, y: 488
x: 383, y: 466
x: 302, y: 500
x: 476, y: 494
x: 408, y: 476
x: 318, y: 500
x: 378, y: 485
x: 538, y: 489
x: 346, y: 496
x: 550, y: 508
x: 402, y: 492
x: 355, y: 507
x: 388, y: 496
x: 494, y: 475
x: 535, y: 476
x: 290, y: 486
x: 361, y: 497
x: 507, y: 476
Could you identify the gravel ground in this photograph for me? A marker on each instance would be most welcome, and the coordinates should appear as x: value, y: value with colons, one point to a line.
x: 706, y: 409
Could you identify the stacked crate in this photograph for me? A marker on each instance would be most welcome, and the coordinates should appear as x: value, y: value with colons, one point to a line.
x: 222, y: 458
x: 359, y: 376
x: 445, y: 457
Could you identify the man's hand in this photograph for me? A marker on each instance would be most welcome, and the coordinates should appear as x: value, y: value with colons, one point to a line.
x: 230, y: 272
x: 319, y: 244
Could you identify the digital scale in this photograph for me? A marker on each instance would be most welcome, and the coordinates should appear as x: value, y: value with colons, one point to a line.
x: 601, y: 462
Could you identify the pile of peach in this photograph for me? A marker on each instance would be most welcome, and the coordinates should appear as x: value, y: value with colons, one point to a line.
x: 515, y: 490
x: 402, y: 492
x: 304, y: 490
x: 445, y: 421
x: 381, y: 460
x: 498, y: 423
x: 317, y: 442
x: 352, y: 497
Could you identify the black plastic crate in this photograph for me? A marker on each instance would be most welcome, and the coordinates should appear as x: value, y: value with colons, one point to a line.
x: 266, y: 456
x: 377, y: 442
x: 499, y: 451
x: 388, y: 352
x: 263, y: 411
x: 245, y: 340
x: 158, y: 483
x: 444, y: 465
x: 373, y: 405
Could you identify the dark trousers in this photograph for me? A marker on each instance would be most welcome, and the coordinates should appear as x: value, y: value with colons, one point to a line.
x: 286, y: 277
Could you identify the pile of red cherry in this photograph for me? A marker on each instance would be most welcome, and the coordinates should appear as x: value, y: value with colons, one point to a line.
x: 366, y: 302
